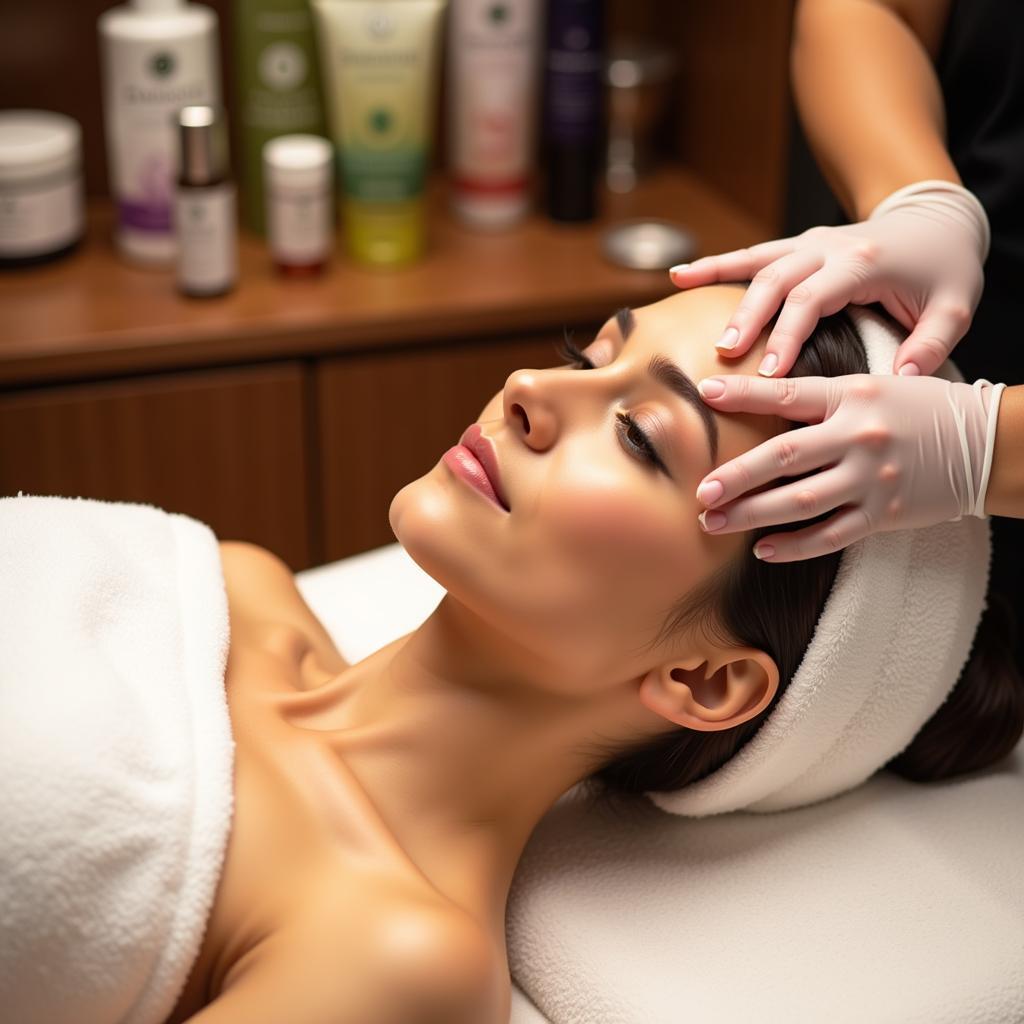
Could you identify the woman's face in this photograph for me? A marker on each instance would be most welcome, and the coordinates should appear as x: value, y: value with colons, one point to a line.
x: 598, y: 543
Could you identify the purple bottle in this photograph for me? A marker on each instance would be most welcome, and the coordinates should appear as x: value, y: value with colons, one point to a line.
x: 574, y: 115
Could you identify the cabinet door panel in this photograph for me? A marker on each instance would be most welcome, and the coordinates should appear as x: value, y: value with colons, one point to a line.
x: 224, y: 446
x: 385, y: 419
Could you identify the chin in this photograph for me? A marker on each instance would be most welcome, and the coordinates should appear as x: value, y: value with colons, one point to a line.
x: 424, y: 521
x: 430, y: 521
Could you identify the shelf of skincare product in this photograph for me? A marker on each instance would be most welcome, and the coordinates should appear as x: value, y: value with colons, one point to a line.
x: 93, y: 314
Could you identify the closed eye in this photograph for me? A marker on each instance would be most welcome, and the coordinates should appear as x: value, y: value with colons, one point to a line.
x: 626, y: 427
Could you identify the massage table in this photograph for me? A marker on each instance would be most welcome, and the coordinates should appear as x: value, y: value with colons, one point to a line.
x: 895, y: 903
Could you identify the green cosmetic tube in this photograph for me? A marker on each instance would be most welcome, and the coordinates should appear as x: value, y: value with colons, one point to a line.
x: 279, y: 90
x: 380, y: 61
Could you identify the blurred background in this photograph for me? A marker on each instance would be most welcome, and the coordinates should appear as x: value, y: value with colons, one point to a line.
x: 287, y: 406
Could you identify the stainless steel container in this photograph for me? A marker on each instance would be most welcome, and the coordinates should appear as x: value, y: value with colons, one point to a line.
x: 638, y: 77
x: 648, y: 243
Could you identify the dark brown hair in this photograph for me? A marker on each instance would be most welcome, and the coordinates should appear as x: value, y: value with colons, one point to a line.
x: 775, y: 607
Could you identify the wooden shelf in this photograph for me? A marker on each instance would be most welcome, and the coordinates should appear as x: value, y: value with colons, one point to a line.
x: 94, y: 316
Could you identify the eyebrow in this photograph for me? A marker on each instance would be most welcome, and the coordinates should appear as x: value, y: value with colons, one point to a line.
x: 670, y: 376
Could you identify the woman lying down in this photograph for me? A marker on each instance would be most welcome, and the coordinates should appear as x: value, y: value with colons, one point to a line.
x: 213, y: 825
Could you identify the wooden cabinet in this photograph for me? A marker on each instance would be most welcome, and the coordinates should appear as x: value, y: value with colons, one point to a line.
x: 228, y: 447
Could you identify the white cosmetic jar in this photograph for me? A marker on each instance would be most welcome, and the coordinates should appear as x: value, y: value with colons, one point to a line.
x: 41, y: 202
x: 298, y: 180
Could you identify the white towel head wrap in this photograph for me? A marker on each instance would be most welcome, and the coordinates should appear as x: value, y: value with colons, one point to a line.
x: 888, y: 648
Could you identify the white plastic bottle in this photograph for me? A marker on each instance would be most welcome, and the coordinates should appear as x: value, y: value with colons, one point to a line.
x: 494, y: 64
x: 157, y: 57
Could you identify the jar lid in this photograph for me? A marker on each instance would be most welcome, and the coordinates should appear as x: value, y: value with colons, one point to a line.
x: 299, y: 161
x: 648, y: 244
x: 34, y: 143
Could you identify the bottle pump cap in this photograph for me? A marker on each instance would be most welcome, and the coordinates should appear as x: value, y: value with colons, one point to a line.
x: 204, y: 152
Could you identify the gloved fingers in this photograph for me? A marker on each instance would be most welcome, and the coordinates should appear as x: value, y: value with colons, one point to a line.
x: 835, y: 533
x: 806, y: 399
x: 769, y: 287
x: 788, y: 454
x: 737, y: 265
x: 788, y: 503
x: 824, y: 292
x: 942, y: 324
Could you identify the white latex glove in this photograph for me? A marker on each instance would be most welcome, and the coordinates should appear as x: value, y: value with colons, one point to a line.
x: 894, y: 453
x: 919, y: 254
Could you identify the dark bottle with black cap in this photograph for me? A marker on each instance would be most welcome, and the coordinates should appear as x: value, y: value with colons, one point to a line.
x: 205, y: 219
x: 574, y: 107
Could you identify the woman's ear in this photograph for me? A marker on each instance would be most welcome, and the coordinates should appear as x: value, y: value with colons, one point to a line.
x: 714, y: 690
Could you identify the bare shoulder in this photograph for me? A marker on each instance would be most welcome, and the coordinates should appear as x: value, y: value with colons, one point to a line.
x: 264, y: 583
x: 927, y: 19
x: 447, y: 959
x: 256, y: 559
x: 408, y: 965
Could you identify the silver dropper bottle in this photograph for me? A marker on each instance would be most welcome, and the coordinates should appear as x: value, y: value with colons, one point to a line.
x: 205, y: 217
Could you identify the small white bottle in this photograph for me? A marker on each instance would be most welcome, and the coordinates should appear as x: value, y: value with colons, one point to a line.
x: 157, y: 56
x: 298, y: 180
x: 205, y: 218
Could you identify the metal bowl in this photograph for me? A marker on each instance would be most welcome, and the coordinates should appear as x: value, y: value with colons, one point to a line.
x: 648, y: 244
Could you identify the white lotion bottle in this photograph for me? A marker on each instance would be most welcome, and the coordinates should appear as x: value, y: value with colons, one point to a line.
x: 494, y: 51
x: 157, y: 56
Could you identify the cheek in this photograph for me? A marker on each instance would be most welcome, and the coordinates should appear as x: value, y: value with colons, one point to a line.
x: 624, y: 536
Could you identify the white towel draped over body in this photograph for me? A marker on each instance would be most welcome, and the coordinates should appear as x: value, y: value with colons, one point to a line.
x: 116, y: 757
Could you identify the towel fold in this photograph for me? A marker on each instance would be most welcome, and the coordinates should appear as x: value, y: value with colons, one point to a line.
x: 116, y: 756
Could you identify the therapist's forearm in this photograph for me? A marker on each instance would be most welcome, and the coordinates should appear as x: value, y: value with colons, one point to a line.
x: 1005, y: 494
x: 869, y: 99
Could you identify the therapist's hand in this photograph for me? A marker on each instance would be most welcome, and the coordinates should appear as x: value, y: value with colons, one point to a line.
x: 891, y: 453
x: 919, y: 254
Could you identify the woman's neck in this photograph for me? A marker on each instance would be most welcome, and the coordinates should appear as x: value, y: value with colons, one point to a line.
x: 463, y: 740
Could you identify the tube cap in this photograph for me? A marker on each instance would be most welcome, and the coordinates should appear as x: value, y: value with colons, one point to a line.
x: 384, y: 234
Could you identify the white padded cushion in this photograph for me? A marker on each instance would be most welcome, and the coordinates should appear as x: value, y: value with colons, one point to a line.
x: 893, y: 904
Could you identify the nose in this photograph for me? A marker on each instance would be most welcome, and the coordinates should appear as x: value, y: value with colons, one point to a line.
x: 528, y: 409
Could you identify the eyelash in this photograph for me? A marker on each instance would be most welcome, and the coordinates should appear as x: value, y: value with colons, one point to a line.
x: 567, y: 350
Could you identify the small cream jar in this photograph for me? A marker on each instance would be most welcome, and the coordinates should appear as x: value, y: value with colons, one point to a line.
x: 298, y: 180
x: 41, y: 202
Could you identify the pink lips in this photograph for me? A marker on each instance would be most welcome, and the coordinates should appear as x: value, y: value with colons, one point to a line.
x: 475, y: 460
